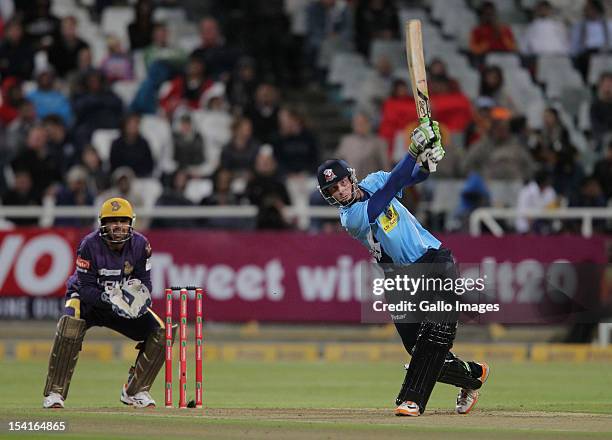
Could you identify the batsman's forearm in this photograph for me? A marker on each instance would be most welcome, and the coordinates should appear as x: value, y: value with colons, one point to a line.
x: 400, y: 177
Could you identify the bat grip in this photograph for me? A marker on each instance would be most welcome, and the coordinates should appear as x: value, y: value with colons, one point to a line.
x: 431, y: 165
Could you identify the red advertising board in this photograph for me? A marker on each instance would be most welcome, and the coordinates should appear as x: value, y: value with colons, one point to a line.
x: 265, y: 276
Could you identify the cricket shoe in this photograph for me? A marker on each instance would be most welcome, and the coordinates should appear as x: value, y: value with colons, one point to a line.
x: 466, y: 399
x: 408, y: 409
x: 53, y: 400
x: 141, y: 399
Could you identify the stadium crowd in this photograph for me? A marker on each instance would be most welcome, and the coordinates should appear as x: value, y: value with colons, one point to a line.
x: 208, y: 122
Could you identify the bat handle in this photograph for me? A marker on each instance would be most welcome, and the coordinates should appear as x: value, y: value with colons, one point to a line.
x: 431, y: 165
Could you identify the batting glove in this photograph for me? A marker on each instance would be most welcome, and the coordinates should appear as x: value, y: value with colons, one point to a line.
x: 423, y: 137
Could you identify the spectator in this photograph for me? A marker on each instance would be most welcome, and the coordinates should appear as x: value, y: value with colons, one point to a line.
x: 546, y: 34
x: 174, y: 196
x: 223, y: 196
x: 141, y: 29
x: 242, y: 86
x: 74, y: 193
x: 239, y: 155
x: 186, y: 90
x: 41, y: 27
x: 98, y: 178
x: 325, y: 19
x: 21, y: 194
x: 365, y: 151
x: 603, y: 172
x: 16, y: 54
x: 17, y: 131
x: 498, y: 155
x: 189, y: 146
x: 131, y: 149
x: 490, y: 35
x: 538, y: 194
x: 118, y: 65
x: 60, y: 144
x: 551, y: 139
x: 449, y: 105
x: 295, y: 148
x: 481, y: 122
x: 35, y: 159
x: 264, y: 112
x: 216, y: 56
x: 96, y: 107
x: 589, y: 35
x: 590, y: 195
x: 601, y: 111
x: 122, y: 180
x: 474, y: 194
x: 64, y: 52
x: 397, y: 112
x: 47, y: 99
x: 267, y: 191
x: 12, y: 97
x: 161, y: 50
x: 76, y: 80
x: 492, y: 86
x: 375, y: 19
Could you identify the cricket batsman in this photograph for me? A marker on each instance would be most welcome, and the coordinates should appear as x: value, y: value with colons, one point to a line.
x: 371, y: 213
x: 110, y: 288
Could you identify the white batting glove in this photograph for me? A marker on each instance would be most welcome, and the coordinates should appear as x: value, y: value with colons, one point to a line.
x: 423, y: 137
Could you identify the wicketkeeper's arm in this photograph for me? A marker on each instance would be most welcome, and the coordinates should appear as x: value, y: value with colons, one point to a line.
x: 89, y: 291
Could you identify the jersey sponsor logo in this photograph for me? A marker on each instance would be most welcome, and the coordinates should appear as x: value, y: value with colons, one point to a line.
x: 81, y: 263
x: 389, y: 219
x: 329, y: 174
x: 148, y: 264
x: 128, y: 268
x: 115, y: 206
x: 109, y: 272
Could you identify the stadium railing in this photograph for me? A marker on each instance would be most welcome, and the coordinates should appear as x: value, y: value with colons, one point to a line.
x: 489, y: 217
x: 47, y: 214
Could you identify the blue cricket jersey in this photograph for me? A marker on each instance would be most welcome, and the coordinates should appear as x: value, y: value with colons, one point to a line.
x: 395, y: 236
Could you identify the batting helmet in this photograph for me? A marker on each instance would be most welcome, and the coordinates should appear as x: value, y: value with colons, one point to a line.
x: 330, y: 173
x: 115, y: 208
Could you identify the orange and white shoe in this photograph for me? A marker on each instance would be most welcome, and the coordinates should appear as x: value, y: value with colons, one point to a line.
x: 466, y: 399
x: 408, y: 409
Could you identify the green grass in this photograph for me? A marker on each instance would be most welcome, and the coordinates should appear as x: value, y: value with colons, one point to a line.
x: 365, y: 390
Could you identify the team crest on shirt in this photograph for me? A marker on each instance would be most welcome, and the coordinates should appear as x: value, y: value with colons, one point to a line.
x: 115, y: 206
x: 127, y: 268
x: 389, y: 219
x: 329, y: 174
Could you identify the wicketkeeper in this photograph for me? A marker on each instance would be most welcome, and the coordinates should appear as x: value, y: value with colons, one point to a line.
x: 110, y: 288
x: 371, y: 213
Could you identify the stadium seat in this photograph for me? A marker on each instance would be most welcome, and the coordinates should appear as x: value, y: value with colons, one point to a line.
x: 584, y: 116
x: 330, y: 47
x: 598, y: 64
x: 115, y: 20
x: 351, y: 86
x: 102, y: 140
x: 446, y: 195
x: 126, y: 90
x: 197, y: 189
x: 341, y: 64
x: 549, y: 66
x: 157, y: 131
x: 458, y: 24
x: 505, y: 61
x: 215, y: 129
x: 149, y: 188
x: 504, y: 193
x: 395, y: 50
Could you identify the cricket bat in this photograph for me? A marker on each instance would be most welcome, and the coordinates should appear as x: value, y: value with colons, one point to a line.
x: 418, y: 78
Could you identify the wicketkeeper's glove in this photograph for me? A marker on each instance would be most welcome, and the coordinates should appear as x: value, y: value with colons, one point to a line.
x: 130, y: 300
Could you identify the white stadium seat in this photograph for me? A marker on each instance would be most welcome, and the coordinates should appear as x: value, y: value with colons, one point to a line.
x: 102, y: 140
